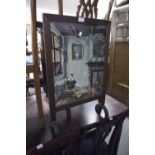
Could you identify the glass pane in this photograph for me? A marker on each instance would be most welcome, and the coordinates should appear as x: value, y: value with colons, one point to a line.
x: 79, y: 60
x: 57, y: 41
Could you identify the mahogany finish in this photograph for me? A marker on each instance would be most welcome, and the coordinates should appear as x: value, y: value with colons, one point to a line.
x: 85, y: 123
x: 85, y: 115
x: 82, y: 117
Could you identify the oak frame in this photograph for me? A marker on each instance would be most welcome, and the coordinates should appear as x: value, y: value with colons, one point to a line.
x: 47, y: 19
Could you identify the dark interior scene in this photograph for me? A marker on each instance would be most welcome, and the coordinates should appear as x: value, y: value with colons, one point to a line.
x: 78, y: 57
x: 77, y: 77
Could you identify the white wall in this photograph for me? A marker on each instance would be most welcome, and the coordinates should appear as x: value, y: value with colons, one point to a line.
x: 40, y: 11
x: 79, y: 67
x: 69, y: 8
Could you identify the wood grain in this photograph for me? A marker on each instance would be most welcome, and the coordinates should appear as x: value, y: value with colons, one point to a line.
x: 36, y: 64
x: 29, y: 69
x: 118, y: 84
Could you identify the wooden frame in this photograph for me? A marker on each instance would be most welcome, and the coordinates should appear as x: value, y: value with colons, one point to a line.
x: 47, y: 19
x: 56, y: 51
x: 34, y: 68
